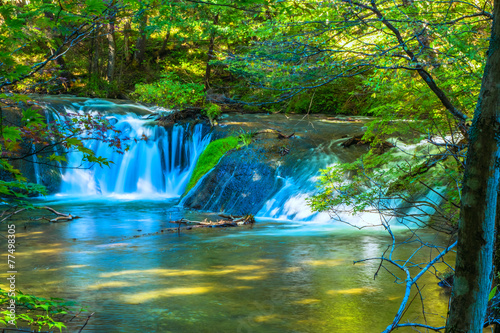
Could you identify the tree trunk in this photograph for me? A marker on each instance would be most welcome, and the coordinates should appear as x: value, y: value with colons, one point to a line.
x: 476, y: 236
x: 164, y: 44
x: 112, y: 50
x: 91, y: 54
x: 496, y: 258
x: 64, y: 76
x: 95, y: 56
x: 126, y: 41
x: 210, y: 53
x: 141, y: 41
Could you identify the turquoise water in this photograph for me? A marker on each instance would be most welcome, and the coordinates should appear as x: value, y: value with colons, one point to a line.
x: 272, y: 277
x: 123, y: 263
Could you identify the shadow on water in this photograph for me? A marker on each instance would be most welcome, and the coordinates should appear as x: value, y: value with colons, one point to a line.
x: 276, y: 277
x: 279, y: 276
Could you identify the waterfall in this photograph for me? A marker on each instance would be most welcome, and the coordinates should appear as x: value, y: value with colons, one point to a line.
x: 157, y: 164
x: 36, y: 166
x: 245, y: 181
x: 290, y: 203
x: 299, y: 183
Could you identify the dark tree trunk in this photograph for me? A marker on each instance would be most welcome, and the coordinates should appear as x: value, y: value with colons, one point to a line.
x: 164, y: 44
x: 141, y: 41
x: 91, y: 55
x: 111, y: 51
x: 476, y: 237
x: 210, y: 53
x: 95, y: 56
x: 126, y: 41
x: 64, y: 75
x: 496, y: 260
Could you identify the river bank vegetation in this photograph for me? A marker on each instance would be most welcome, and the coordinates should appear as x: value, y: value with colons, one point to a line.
x: 427, y: 71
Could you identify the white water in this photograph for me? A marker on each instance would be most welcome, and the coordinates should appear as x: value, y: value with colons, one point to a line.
x: 161, y: 166
x: 291, y: 202
x: 156, y: 167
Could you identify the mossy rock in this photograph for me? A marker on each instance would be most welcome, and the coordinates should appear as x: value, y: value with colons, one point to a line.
x: 242, y: 182
x: 210, y: 157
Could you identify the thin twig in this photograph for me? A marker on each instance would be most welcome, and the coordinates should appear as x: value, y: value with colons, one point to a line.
x: 86, y: 321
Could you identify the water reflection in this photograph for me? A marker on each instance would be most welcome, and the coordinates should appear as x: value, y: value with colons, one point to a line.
x: 272, y: 278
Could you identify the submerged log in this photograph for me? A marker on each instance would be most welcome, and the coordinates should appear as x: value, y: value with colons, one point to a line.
x: 229, y: 221
x: 275, y: 131
x: 348, y: 119
x: 236, y: 222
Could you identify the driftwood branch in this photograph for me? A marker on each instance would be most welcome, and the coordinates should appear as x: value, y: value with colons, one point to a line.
x: 60, y: 216
x: 275, y: 131
x: 8, y: 213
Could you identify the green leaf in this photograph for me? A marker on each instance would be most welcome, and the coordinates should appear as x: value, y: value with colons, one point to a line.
x: 57, y: 158
x: 11, y: 133
x: 492, y: 293
x: 95, y: 5
x: 73, y: 142
x: 32, y: 116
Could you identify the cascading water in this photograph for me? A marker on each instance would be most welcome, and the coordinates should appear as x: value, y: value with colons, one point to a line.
x: 291, y: 201
x: 36, y: 167
x: 158, y: 163
x: 161, y: 165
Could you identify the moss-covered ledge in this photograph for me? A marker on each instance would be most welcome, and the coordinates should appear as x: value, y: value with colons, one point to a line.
x: 210, y: 157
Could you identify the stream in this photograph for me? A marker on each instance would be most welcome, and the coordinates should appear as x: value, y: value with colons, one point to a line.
x: 292, y: 271
x: 274, y: 277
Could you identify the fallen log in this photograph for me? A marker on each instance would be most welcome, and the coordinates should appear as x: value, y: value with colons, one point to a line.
x: 180, y: 115
x: 348, y: 119
x: 220, y: 223
x: 244, y: 220
x: 229, y: 222
x: 275, y: 131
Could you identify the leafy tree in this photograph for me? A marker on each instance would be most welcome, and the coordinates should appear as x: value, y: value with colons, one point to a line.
x: 429, y: 45
x: 35, y: 36
x: 37, y: 312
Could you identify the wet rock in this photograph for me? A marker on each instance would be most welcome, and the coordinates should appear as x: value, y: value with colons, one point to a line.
x: 240, y: 184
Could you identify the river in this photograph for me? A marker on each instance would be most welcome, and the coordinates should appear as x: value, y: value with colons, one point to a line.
x: 274, y: 277
x: 286, y: 273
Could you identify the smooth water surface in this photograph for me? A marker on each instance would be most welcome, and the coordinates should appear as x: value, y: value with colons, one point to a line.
x: 272, y: 277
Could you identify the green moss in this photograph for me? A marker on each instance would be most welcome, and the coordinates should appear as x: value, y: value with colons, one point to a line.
x: 210, y: 157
